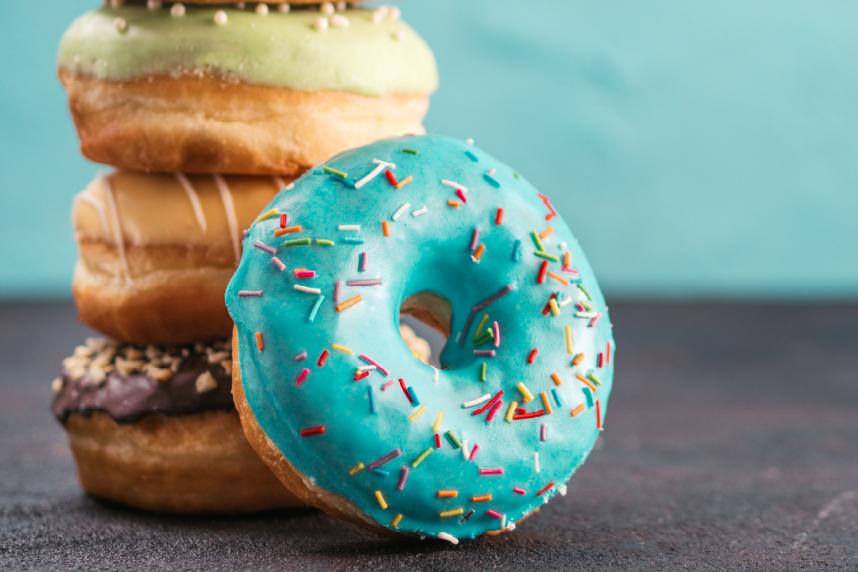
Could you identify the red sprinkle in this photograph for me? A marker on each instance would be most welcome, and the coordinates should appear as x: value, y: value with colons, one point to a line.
x: 361, y: 374
x: 283, y: 219
x: 437, y: 441
x: 405, y: 390
x: 531, y: 357
x: 302, y: 376
x: 494, y: 471
x: 600, y: 360
x: 547, y: 308
x: 499, y: 216
x: 608, y: 352
x: 323, y: 358
x: 543, y: 271
x: 390, y: 178
x: 531, y: 415
x: 519, y: 491
x: 318, y: 430
x: 545, y: 489
x: 494, y: 411
x: 489, y: 404
x: 598, y: 416
x: 493, y: 513
x: 474, y: 451
x: 461, y: 195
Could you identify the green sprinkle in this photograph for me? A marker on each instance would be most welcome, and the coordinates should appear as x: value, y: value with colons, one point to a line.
x: 480, y: 326
x: 454, y: 441
x: 420, y: 457
x: 537, y: 241
x: 584, y: 291
x: 483, y: 369
x: 297, y: 242
x: 324, y: 242
x: 547, y: 256
x: 587, y: 306
x: 337, y: 172
x: 489, y: 334
x: 411, y: 151
x: 592, y: 377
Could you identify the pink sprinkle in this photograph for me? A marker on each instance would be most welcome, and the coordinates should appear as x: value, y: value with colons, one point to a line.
x: 249, y: 293
x: 494, y: 514
x: 367, y: 282
x: 302, y: 273
x: 461, y: 195
x: 475, y: 239
x: 362, y: 262
x: 485, y: 353
x: 302, y: 376
x: 494, y: 471
x: 496, y: 329
x: 337, y: 292
x: 494, y: 411
x: 386, y: 459
x: 519, y: 491
x: 595, y: 320
x: 301, y: 356
x: 492, y: 171
x: 473, y: 451
x: 265, y: 248
x: 543, y: 432
x: 387, y: 385
x: 278, y: 263
x: 371, y: 361
x: 403, y: 476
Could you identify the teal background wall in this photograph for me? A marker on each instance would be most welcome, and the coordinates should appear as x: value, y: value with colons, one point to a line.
x: 696, y: 148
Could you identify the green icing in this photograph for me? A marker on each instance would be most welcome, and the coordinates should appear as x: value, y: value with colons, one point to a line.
x: 424, y: 252
x: 277, y: 49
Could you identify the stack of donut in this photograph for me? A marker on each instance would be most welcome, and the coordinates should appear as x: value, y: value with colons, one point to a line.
x: 206, y: 112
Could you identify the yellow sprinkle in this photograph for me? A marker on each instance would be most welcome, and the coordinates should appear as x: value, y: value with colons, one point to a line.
x: 267, y: 214
x: 568, y: 339
x: 546, y: 403
x: 381, y: 501
x: 481, y: 498
x: 448, y: 494
x: 394, y: 523
x: 546, y: 233
x: 511, y: 411
x: 341, y: 348
x: 420, y: 457
x: 356, y: 469
x: 453, y: 512
x: 436, y: 427
x: 349, y: 303
x: 404, y: 182
x: 525, y: 393
x: 578, y: 409
x: 417, y: 412
x: 482, y: 323
x: 552, y: 303
x: 577, y: 359
x: 556, y: 379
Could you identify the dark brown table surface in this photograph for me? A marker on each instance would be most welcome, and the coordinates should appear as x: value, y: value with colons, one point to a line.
x: 731, y: 442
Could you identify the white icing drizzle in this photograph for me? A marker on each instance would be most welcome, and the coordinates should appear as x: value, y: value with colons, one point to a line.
x: 117, y: 226
x: 195, y: 200
x: 99, y: 208
x: 229, y: 209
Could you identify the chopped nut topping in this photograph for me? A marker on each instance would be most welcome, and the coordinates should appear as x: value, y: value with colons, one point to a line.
x: 57, y: 385
x: 217, y: 357
x: 160, y: 374
x: 205, y: 382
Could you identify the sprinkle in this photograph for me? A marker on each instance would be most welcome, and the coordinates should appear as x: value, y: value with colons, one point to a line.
x: 420, y: 212
x: 578, y: 409
x: 454, y: 204
x: 177, y: 10
x: 400, y: 211
x: 343, y: 349
x: 385, y: 459
x: 495, y: 471
x: 260, y: 344
x: 404, y: 389
x: 451, y: 512
x: 265, y: 248
x: 547, y: 256
x: 404, y: 182
x: 372, y: 362
x: 585, y: 381
x: 568, y: 334
x: 249, y: 293
x: 558, y: 278
x: 488, y: 405
x: 403, y: 477
x: 477, y: 401
x: 519, y: 491
x: 302, y: 376
x: 437, y: 441
x: 543, y: 432
x: 417, y: 413
x: 551, y: 212
x: 390, y: 177
x: 337, y: 172
x: 577, y: 359
x: 592, y: 377
x: 555, y: 309
x: 387, y: 385
x: 370, y: 395
x: 385, y: 228
x: 349, y: 303
x: 584, y: 291
x: 598, y: 416
x: 453, y: 440
x: 467, y: 515
x: 567, y: 261
x: 483, y: 369
x: 531, y: 357
x: 268, y: 214
x: 473, y: 452
x: 499, y: 216
x: 516, y: 250
x: 347, y: 239
x: 588, y: 395
x: 436, y: 426
x: 318, y: 430
x: 412, y: 396
x: 278, y: 263
x: 300, y: 357
x: 262, y: 9
x: 361, y: 374
x: 479, y: 253
x: 493, y: 411
x: 362, y: 262
x: 537, y: 241
x: 448, y: 494
x: 536, y: 467
x: 470, y: 155
x: 546, y: 403
x: 543, y: 269
x: 356, y: 469
x: 448, y: 537
x: 315, y: 310
x: 510, y: 411
x: 421, y: 457
x: 349, y: 227
x: 288, y: 230
x: 454, y: 185
x: 321, y: 24
x: 556, y: 395
x: 380, y: 166
x: 526, y: 395
x: 381, y: 500
x: 472, y: 246
x: 494, y: 514
x: 608, y: 353
x: 410, y: 151
x: 394, y: 522
x: 297, y: 242
x: 307, y: 289
x: 491, y: 180
x: 304, y: 273
x: 482, y: 498
x: 528, y: 415
x: 485, y: 353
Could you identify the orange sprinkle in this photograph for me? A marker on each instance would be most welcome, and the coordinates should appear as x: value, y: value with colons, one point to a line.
x: 546, y: 233
x: 585, y: 381
x: 404, y: 182
x: 577, y: 359
x: 546, y: 403
x: 288, y: 229
x: 478, y: 253
x: 556, y: 379
x: 598, y: 416
x: 578, y: 409
x: 448, y: 494
x: 349, y: 303
x: 482, y: 498
x: 454, y: 204
x: 260, y: 343
x: 385, y: 228
x: 558, y: 278
x: 567, y: 260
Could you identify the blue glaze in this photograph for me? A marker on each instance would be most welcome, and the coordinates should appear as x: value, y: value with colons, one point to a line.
x: 424, y: 253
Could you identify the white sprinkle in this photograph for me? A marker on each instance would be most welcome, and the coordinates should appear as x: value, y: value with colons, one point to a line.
x: 220, y: 18
x: 465, y: 449
x: 322, y: 24
x: 283, y: 8
x: 262, y: 9
x: 565, y: 301
x: 536, y: 467
x: 354, y: 227
x: 454, y: 184
x: 154, y: 4
x: 492, y: 172
x: 177, y: 10
x: 436, y: 375
x: 339, y: 21
x: 448, y: 537
x: 562, y: 490
x: 420, y: 212
x: 586, y: 314
x: 327, y: 8
x: 120, y: 24
x: 290, y: 186
x: 503, y: 521
x: 307, y: 289
x: 469, y: 140
x: 381, y: 166
x: 398, y: 35
x: 477, y: 401
x: 401, y: 211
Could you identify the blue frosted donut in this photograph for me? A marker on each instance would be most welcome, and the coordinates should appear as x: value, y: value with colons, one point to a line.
x: 335, y: 402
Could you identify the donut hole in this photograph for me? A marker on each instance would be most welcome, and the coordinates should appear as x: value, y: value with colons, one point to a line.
x: 425, y: 320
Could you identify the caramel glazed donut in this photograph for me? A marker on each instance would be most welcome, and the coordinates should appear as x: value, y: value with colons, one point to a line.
x: 155, y: 428
x: 208, y: 89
